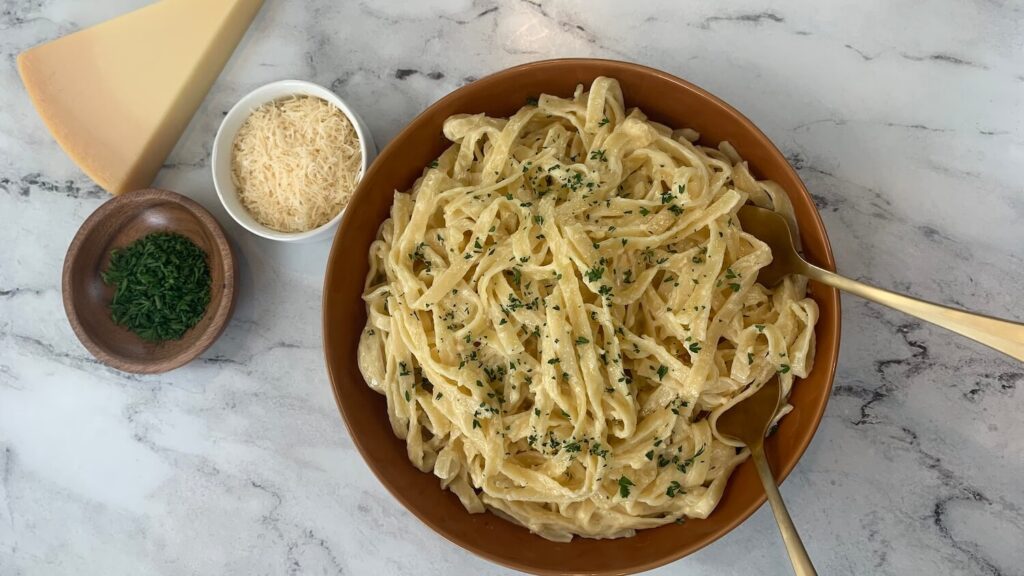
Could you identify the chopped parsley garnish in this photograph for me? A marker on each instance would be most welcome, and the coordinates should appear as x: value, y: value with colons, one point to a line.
x: 674, y: 488
x: 675, y: 209
x: 603, y: 122
x: 476, y: 423
x: 644, y: 211
x: 685, y: 464
x: 624, y: 484
x: 649, y: 455
x: 595, y: 273
x: 784, y: 369
x: 404, y: 369
x: 433, y: 164
x: 162, y: 286
x: 582, y: 340
x: 598, y: 155
x: 662, y: 371
x: 694, y: 347
x: 735, y: 287
x: 596, y: 450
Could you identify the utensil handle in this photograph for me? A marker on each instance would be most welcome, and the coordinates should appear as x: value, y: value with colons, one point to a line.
x: 797, y: 554
x: 1002, y: 335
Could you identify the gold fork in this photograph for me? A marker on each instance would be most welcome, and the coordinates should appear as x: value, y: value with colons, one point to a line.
x: 772, y: 229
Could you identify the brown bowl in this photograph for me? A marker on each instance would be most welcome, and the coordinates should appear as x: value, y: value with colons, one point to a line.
x: 666, y: 99
x: 115, y: 224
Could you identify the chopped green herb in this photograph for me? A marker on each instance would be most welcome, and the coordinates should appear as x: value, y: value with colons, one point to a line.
x: 685, y: 464
x: 162, y: 284
x: 674, y: 488
x: 662, y: 371
x: 624, y: 484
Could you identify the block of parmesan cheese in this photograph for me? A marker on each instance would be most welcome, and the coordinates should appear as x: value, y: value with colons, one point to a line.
x: 118, y: 95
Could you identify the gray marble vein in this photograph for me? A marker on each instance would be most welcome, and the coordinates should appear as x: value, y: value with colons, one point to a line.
x: 905, y: 119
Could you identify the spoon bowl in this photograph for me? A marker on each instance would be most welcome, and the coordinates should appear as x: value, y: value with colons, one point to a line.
x: 748, y: 420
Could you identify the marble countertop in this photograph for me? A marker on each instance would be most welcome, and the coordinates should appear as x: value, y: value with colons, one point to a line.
x: 905, y: 119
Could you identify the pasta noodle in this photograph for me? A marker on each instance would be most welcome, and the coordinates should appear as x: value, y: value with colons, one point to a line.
x: 562, y: 305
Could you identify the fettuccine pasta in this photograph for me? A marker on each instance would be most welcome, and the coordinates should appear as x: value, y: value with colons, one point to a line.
x: 562, y: 305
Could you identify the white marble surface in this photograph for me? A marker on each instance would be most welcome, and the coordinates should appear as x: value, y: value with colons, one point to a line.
x: 905, y: 119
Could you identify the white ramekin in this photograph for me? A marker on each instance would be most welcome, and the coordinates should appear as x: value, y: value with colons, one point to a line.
x: 223, y: 142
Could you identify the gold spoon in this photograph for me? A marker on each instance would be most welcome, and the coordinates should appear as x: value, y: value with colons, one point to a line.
x: 772, y: 229
x: 747, y: 421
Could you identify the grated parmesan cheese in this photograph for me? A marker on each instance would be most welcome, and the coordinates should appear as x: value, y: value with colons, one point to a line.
x: 295, y: 162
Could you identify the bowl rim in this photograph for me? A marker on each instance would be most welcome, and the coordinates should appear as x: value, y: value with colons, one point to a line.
x: 830, y: 357
x: 246, y: 105
x: 224, y: 307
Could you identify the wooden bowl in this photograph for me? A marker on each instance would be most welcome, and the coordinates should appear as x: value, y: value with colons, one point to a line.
x: 666, y: 99
x: 118, y: 223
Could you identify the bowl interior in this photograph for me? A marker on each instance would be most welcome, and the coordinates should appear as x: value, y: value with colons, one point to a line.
x: 117, y: 224
x: 225, y: 138
x: 666, y: 99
